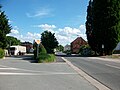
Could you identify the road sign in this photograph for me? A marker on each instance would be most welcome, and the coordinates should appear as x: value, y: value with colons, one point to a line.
x: 37, y: 41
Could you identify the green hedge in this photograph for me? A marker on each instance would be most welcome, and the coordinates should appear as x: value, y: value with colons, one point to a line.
x: 2, y: 54
x: 43, y: 58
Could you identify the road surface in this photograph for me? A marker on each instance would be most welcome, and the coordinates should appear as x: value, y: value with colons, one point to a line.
x: 18, y: 73
x: 105, y: 71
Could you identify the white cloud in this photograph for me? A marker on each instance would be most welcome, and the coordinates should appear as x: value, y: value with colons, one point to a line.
x: 40, y: 13
x: 64, y: 35
x: 10, y: 21
x: 46, y: 27
x: 27, y: 37
x: 69, y: 30
x: 68, y: 34
x: 30, y: 37
x: 13, y: 31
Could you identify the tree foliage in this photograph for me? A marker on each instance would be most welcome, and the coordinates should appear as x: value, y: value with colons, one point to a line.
x: 38, y: 49
x: 104, y: 20
x: 5, y: 28
x: 12, y: 41
x: 49, y: 41
x: 60, y: 48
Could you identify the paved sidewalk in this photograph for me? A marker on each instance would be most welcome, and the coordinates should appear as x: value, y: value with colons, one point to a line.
x: 18, y: 74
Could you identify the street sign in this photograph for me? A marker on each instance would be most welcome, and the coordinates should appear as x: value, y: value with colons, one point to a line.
x: 37, y: 41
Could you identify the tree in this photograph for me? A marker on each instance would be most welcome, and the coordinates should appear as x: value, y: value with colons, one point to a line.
x: 89, y: 27
x: 12, y: 41
x: 49, y: 41
x: 105, y: 25
x: 5, y: 28
x: 60, y: 48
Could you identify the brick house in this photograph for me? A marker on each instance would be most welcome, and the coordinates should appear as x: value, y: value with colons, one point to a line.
x: 28, y: 45
x: 76, y: 44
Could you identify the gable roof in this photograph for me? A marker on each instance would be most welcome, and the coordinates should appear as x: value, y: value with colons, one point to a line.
x: 79, y: 38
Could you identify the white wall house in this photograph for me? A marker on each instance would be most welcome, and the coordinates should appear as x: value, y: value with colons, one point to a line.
x: 117, y: 47
x: 67, y: 47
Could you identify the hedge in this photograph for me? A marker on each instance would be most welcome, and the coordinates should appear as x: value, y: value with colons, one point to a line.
x: 2, y: 54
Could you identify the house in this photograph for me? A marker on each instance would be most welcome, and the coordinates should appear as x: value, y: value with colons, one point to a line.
x: 76, y: 44
x: 29, y: 46
x: 67, y: 48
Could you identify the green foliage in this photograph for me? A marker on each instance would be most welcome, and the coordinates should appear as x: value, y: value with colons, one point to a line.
x: 60, y: 48
x: 42, y: 56
x: 35, y: 50
x: 5, y: 29
x: 12, y: 41
x: 104, y: 21
x: 89, y: 27
x: 2, y: 53
x: 49, y: 41
x: 41, y: 50
x: 45, y: 58
x: 85, y: 50
x: 68, y: 52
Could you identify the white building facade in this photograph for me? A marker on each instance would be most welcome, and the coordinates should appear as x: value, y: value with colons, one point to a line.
x: 67, y: 47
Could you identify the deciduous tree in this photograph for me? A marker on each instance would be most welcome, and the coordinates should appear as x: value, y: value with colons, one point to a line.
x: 49, y: 41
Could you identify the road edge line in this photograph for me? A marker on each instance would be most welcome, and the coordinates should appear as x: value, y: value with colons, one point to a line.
x: 93, y: 81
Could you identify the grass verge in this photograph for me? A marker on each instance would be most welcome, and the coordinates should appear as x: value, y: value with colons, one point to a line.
x: 46, y: 58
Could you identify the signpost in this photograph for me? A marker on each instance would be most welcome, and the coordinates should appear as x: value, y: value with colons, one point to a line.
x: 38, y: 43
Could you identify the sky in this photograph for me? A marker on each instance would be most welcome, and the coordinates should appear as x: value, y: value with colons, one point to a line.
x: 30, y: 18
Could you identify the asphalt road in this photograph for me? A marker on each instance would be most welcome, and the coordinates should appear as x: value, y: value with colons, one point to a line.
x: 18, y: 73
x: 107, y: 72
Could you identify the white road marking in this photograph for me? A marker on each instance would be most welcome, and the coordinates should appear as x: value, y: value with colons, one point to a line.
x: 112, y: 66
x: 9, y: 73
x: 8, y: 69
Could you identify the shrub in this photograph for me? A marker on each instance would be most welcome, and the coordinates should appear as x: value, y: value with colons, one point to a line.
x: 68, y: 52
x: 2, y: 53
x: 41, y: 49
x: 86, y: 50
x: 43, y: 58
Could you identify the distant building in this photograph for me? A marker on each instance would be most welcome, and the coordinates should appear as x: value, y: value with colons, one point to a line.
x: 29, y: 46
x: 76, y: 44
x: 67, y: 47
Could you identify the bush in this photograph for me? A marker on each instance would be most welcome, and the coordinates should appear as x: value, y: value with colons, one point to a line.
x: 43, y: 58
x: 68, y: 52
x: 41, y: 49
x: 86, y: 50
x: 2, y: 54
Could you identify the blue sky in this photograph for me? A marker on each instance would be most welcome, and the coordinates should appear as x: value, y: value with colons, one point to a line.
x: 29, y: 18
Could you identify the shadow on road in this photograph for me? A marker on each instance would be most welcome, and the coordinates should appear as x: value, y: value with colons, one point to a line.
x: 27, y: 57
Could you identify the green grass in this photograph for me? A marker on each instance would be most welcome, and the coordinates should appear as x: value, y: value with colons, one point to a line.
x: 46, y: 58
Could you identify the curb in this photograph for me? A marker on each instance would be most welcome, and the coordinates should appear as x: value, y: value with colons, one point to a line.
x: 94, y: 82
